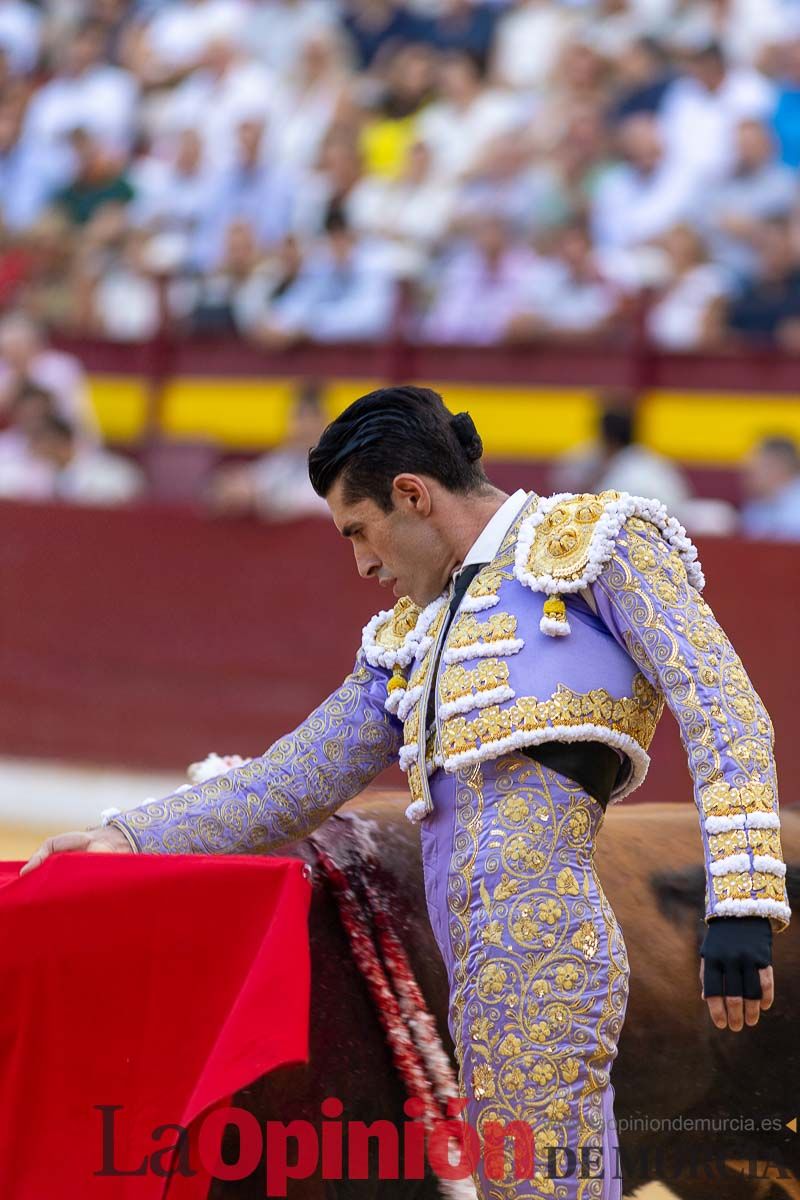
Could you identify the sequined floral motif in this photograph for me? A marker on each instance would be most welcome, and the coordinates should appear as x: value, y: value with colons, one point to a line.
x: 724, y: 800
x: 485, y: 583
x: 404, y: 617
x: 634, y: 716
x: 469, y: 630
x: 562, y: 543
x: 459, y: 681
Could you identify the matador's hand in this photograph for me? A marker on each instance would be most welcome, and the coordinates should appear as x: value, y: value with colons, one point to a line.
x: 736, y: 970
x: 104, y: 840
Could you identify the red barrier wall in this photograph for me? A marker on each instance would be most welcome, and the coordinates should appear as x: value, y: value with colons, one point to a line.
x: 150, y: 637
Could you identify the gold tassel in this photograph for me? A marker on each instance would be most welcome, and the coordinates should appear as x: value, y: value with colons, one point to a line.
x: 555, y: 608
x: 398, y: 681
x: 554, y: 617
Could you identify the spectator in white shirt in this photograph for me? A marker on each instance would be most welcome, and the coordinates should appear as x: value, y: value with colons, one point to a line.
x: 29, y: 173
x: 459, y: 125
x: 278, y: 30
x: 570, y: 297
x: 613, y: 26
x: 345, y: 292
x: 172, y: 194
x: 26, y: 358
x: 412, y: 211
x: 313, y: 92
x: 228, y: 89
x: 276, y: 486
x: 330, y: 187
x: 682, y: 314
x: 20, y: 35
x: 615, y: 461
x: 222, y: 299
x: 254, y: 189
x: 760, y: 188
x: 177, y: 38
x: 529, y: 40
x: 744, y: 29
x: 73, y: 471
x: 85, y: 93
x: 123, y: 301
x: 702, y: 111
x: 646, y: 195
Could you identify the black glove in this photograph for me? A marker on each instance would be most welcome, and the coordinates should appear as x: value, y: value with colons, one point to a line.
x: 734, y: 948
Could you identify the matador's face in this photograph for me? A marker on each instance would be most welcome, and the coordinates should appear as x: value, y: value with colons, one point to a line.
x: 403, y: 549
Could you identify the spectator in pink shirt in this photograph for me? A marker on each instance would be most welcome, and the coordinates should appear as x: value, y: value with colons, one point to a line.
x: 482, y: 288
x: 26, y: 358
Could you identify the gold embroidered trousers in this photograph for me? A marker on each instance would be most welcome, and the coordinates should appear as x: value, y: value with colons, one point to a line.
x: 538, y: 973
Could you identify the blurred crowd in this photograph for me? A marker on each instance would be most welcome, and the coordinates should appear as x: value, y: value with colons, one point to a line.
x: 480, y: 172
x: 474, y: 172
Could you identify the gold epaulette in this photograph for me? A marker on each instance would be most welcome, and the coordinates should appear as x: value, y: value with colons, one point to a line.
x: 565, y: 544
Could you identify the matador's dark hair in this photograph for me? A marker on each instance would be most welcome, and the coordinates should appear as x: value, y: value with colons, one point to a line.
x: 391, y: 431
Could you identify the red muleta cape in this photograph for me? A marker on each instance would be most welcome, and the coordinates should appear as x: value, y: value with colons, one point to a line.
x: 161, y: 984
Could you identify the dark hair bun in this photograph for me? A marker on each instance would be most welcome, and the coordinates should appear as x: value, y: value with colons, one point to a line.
x: 464, y: 429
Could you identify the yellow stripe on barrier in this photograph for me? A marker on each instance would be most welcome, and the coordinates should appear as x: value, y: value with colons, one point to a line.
x: 251, y: 414
x: 244, y: 413
x: 525, y: 422
x: 715, y: 428
x: 120, y: 402
x: 710, y: 428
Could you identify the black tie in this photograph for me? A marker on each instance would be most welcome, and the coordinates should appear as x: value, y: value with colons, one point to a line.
x: 462, y: 583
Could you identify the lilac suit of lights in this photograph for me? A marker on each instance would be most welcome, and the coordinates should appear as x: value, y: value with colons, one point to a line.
x: 585, y: 623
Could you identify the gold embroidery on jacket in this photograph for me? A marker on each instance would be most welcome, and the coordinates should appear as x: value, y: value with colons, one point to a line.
x: 468, y: 630
x: 723, y: 800
x: 458, y: 681
x: 635, y: 716
x: 561, y: 543
x: 732, y: 842
x: 486, y: 583
x: 398, y: 625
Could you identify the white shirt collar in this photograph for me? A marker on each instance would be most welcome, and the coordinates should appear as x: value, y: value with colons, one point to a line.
x: 488, y: 543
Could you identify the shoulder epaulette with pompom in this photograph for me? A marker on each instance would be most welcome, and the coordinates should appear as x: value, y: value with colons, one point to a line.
x: 394, y: 638
x: 566, y: 543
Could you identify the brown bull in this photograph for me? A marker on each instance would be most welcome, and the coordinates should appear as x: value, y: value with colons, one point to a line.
x: 677, y: 1077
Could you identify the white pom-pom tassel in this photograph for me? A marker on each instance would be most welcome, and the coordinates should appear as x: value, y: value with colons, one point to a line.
x: 554, y: 628
x: 213, y: 765
x: 417, y: 811
x: 554, y: 621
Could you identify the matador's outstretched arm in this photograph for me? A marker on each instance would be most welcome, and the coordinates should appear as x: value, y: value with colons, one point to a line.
x: 289, y: 790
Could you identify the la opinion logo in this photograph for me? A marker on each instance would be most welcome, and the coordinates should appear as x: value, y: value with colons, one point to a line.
x: 332, y: 1148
